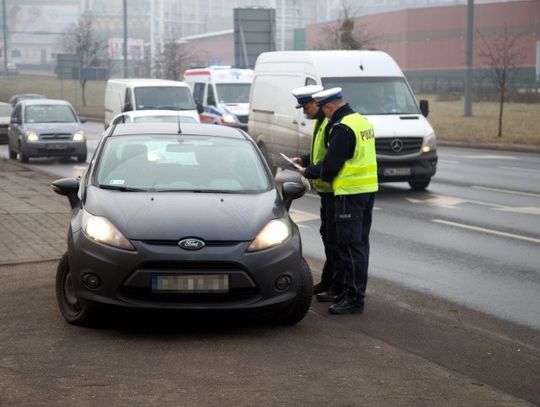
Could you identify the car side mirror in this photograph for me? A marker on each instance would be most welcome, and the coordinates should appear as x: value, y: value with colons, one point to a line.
x: 292, y: 191
x: 424, y: 107
x: 127, y: 107
x: 84, y: 120
x: 14, y: 120
x: 200, y: 107
x: 67, y: 187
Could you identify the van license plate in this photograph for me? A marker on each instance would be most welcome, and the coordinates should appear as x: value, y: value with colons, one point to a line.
x: 201, y: 283
x: 394, y: 172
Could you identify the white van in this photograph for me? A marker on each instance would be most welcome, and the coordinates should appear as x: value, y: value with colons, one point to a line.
x: 372, y: 84
x: 224, y: 93
x: 124, y: 95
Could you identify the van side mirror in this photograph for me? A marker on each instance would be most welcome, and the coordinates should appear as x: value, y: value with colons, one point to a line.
x: 292, y: 191
x: 424, y: 107
x: 14, y: 120
x: 200, y: 107
x: 68, y: 187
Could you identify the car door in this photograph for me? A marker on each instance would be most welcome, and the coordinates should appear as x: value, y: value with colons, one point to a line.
x: 15, y: 125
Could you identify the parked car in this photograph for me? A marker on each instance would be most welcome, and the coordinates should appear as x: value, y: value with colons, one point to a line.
x: 12, y: 68
x: 24, y: 96
x: 5, y: 114
x: 187, y: 220
x: 152, y: 116
x: 46, y: 128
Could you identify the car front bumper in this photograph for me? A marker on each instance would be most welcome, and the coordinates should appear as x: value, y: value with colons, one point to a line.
x: 415, y: 167
x: 61, y: 148
x: 126, y: 276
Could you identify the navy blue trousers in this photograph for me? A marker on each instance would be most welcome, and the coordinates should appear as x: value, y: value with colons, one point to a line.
x: 330, y: 278
x: 353, y: 214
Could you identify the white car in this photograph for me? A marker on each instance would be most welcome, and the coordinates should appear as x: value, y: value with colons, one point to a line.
x: 152, y: 116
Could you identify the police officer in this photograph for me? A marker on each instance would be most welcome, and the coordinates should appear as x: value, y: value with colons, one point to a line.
x: 350, y: 165
x: 331, y: 284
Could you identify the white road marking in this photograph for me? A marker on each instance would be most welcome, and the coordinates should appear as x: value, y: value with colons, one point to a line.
x: 484, y: 230
x: 521, y: 169
x: 490, y: 157
x: 506, y: 191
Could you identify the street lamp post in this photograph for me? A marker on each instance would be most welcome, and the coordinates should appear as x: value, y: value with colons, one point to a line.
x: 124, y: 50
x: 4, y: 26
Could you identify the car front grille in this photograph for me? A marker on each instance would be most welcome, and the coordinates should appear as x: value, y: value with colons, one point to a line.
x: 55, y: 136
x: 398, y: 145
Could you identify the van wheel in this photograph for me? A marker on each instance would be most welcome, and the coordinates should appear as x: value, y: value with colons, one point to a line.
x: 269, y: 161
x: 22, y: 156
x: 81, y: 158
x: 419, y: 185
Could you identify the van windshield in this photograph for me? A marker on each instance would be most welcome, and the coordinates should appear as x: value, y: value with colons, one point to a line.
x: 233, y: 92
x: 163, y: 97
x: 373, y: 96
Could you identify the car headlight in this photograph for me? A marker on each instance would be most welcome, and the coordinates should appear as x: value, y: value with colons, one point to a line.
x: 102, y: 230
x: 32, y: 136
x: 274, y: 233
x: 229, y: 119
x: 78, y: 136
x: 430, y: 143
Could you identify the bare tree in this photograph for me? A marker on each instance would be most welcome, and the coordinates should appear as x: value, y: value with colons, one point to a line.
x: 81, y: 39
x: 347, y: 34
x: 501, y: 54
x: 175, y: 59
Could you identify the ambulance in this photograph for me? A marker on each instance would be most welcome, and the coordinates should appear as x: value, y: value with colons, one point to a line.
x: 223, y: 91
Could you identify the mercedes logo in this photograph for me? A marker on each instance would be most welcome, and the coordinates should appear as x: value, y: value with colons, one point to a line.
x: 396, y: 145
x: 191, y: 244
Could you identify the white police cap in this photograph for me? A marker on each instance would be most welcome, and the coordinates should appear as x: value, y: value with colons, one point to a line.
x: 328, y: 95
x: 304, y: 94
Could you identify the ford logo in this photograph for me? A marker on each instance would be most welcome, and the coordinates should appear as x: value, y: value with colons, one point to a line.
x: 191, y: 244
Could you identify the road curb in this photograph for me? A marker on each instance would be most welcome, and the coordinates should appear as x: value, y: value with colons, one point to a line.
x: 520, y: 148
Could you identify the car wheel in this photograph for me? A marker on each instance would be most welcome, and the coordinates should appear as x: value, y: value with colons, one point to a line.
x: 419, y: 185
x: 73, y: 310
x: 23, y: 157
x: 269, y: 161
x: 12, y: 154
x: 81, y: 158
x: 298, y: 309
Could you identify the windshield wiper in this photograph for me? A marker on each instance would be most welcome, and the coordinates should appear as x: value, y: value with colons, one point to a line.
x: 122, y: 188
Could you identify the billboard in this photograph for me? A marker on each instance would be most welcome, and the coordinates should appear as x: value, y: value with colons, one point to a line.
x: 135, y: 48
x: 254, y: 33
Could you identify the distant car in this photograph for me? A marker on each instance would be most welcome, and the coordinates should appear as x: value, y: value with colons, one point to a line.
x: 12, y: 68
x: 188, y: 220
x: 24, y: 96
x: 152, y: 116
x: 46, y: 128
x: 5, y: 113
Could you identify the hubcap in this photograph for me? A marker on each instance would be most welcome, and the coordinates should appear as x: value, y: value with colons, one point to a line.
x: 70, y: 292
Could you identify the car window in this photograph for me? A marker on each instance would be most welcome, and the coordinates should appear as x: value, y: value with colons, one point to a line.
x: 198, y: 92
x: 233, y: 92
x: 49, y: 114
x: 164, y: 97
x: 181, y: 163
x: 210, y: 98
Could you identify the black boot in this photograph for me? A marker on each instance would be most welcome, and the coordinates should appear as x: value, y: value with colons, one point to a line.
x: 319, y: 288
x: 347, y: 306
x: 328, y: 296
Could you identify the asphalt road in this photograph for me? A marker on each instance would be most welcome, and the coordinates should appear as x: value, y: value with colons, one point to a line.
x: 473, y: 237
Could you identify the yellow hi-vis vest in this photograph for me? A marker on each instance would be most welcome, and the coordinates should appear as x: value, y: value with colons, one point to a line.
x: 359, y: 173
x: 318, y: 151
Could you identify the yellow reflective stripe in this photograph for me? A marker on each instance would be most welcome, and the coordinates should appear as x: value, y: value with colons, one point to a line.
x: 351, y: 182
x: 358, y: 169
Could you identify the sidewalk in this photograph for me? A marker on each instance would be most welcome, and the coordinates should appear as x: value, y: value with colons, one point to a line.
x: 411, y: 354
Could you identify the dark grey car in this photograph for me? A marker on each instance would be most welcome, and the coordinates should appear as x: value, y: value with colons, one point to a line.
x: 186, y: 219
x: 46, y: 128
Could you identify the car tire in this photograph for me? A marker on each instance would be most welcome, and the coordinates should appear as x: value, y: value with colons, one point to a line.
x: 74, y: 311
x: 269, y: 161
x: 419, y: 185
x: 296, y: 311
x: 81, y: 158
x: 12, y: 154
x: 23, y: 157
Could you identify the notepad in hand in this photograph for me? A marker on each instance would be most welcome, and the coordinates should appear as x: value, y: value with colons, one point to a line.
x: 298, y: 167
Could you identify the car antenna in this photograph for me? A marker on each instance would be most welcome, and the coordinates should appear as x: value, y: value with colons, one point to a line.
x: 178, y: 119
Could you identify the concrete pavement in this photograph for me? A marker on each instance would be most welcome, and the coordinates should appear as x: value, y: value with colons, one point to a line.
x: 407, y: 349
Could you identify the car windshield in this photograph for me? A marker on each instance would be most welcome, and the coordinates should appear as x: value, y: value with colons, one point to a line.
x: 233, y: 92
x: 164, y: 119
x: 49, y: 114
x: 180, y: 163
x: 164, y: 97
x: 371, y: 96
x: 5, y: 110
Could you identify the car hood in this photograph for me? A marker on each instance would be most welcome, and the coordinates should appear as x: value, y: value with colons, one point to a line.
x: 41, y: 128
x: 400, y: 125
x: 175, y: 215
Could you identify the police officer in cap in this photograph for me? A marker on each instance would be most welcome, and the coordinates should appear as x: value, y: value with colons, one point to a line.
x: 350, y: 166
x: 330, y: 284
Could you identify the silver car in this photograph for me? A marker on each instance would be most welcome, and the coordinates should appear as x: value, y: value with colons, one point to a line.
x: 5, y: 114
x: 46, y: 128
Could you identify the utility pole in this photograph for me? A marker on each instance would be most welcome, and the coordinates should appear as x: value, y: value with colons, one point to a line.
x: 125, y: 45
x: 4, y: 26
x: 469, y: 68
